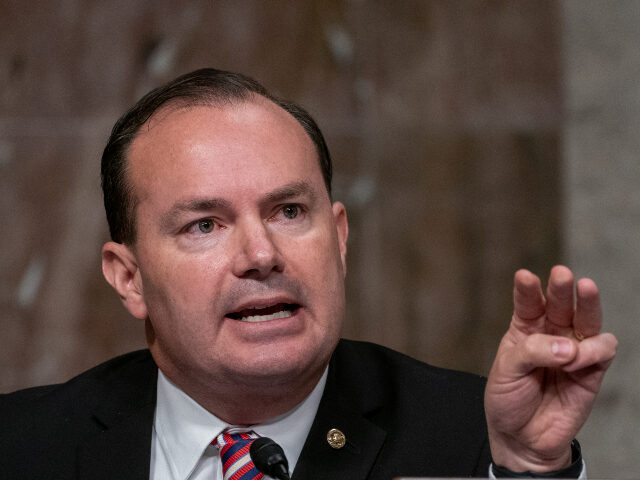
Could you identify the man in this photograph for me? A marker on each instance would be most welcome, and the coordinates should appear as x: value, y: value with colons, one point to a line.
x: 227, y: 245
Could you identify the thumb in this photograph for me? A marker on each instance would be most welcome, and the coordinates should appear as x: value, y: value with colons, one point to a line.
x: 540, y: 350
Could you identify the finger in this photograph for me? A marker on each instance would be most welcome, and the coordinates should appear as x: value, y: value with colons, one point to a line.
x: 588, y: 318
x: 560, y: 300
x: 528, y: 302
x: 541, y: 350
x: 596, y: 350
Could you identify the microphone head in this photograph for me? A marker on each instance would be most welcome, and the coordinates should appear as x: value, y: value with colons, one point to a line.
x: 268, y: 457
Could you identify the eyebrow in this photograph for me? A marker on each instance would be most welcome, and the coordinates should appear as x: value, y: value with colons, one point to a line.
x: 289, y: 191
x: 169, y: 218
x: 286, y: 192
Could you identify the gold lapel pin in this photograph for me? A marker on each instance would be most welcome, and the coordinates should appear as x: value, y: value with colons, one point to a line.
x: 336, y: 438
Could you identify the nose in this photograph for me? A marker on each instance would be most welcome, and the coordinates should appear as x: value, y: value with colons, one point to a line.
x: 257, y: 254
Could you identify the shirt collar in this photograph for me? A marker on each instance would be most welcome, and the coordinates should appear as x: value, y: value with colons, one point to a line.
x: 185, y: 429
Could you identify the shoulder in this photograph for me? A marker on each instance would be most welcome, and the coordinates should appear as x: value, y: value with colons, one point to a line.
x: 130, y: 364
x: 54, y: 421
x: 81, y: 393
x: 379, y: 363
x: 374, y: 377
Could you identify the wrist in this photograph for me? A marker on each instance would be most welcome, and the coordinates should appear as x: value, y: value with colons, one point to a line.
x: 519, y: 458
x: 573, y: 470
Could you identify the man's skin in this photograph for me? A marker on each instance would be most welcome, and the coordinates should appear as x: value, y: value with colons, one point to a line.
x: 232, y: 214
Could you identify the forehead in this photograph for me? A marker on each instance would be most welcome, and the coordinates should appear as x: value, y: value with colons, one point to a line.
x: 244, y: 144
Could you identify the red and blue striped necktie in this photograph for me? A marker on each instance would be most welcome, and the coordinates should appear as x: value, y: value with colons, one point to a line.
x: 234, y: 453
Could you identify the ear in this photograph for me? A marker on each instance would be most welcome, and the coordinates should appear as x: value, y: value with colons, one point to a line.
x: 342, y: 227
x: 120, y: 269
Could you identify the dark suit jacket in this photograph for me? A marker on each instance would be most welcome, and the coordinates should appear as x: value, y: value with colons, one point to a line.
x: 400, y: 417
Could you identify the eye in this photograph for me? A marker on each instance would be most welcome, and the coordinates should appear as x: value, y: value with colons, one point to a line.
x: 290, y: 211
x: 206, y: 225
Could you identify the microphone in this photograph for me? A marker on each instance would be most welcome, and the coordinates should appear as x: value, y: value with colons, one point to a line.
x: 269, y: 459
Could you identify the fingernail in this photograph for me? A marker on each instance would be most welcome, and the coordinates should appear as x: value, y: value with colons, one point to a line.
x: 561, y: 349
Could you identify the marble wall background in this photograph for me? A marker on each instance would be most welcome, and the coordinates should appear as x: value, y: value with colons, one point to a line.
x: 601, y: 219
x: 469, y: 139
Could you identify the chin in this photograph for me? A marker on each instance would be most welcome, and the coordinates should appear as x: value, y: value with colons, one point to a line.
x: 280, y: 366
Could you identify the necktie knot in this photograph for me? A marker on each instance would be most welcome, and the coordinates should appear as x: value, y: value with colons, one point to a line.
x: 234, y: 454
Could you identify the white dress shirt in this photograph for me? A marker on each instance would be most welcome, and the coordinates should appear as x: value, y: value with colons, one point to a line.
x: 183, y: 431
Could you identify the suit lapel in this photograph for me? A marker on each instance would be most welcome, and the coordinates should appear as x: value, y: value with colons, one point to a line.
x: 320, y: 461
x: 344, y: 407
x: 121, y: 445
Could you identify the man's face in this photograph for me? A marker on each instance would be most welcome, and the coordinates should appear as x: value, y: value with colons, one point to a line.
x: 240, y: 254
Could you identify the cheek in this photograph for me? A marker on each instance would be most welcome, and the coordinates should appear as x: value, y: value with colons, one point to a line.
x: 180, y: 289
x: 327, y: 257
x: 180, y: 272
x: 323, y: 270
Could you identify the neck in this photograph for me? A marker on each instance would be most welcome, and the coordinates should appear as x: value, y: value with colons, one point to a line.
x: 260, y: 400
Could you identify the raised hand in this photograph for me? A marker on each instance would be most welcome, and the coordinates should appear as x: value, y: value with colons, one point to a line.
x: 547, y: 372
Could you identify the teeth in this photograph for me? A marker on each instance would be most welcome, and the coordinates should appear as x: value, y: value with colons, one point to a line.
x: 264, y: 318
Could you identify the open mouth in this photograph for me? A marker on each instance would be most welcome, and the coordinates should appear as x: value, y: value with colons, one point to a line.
x: 279, y: 310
